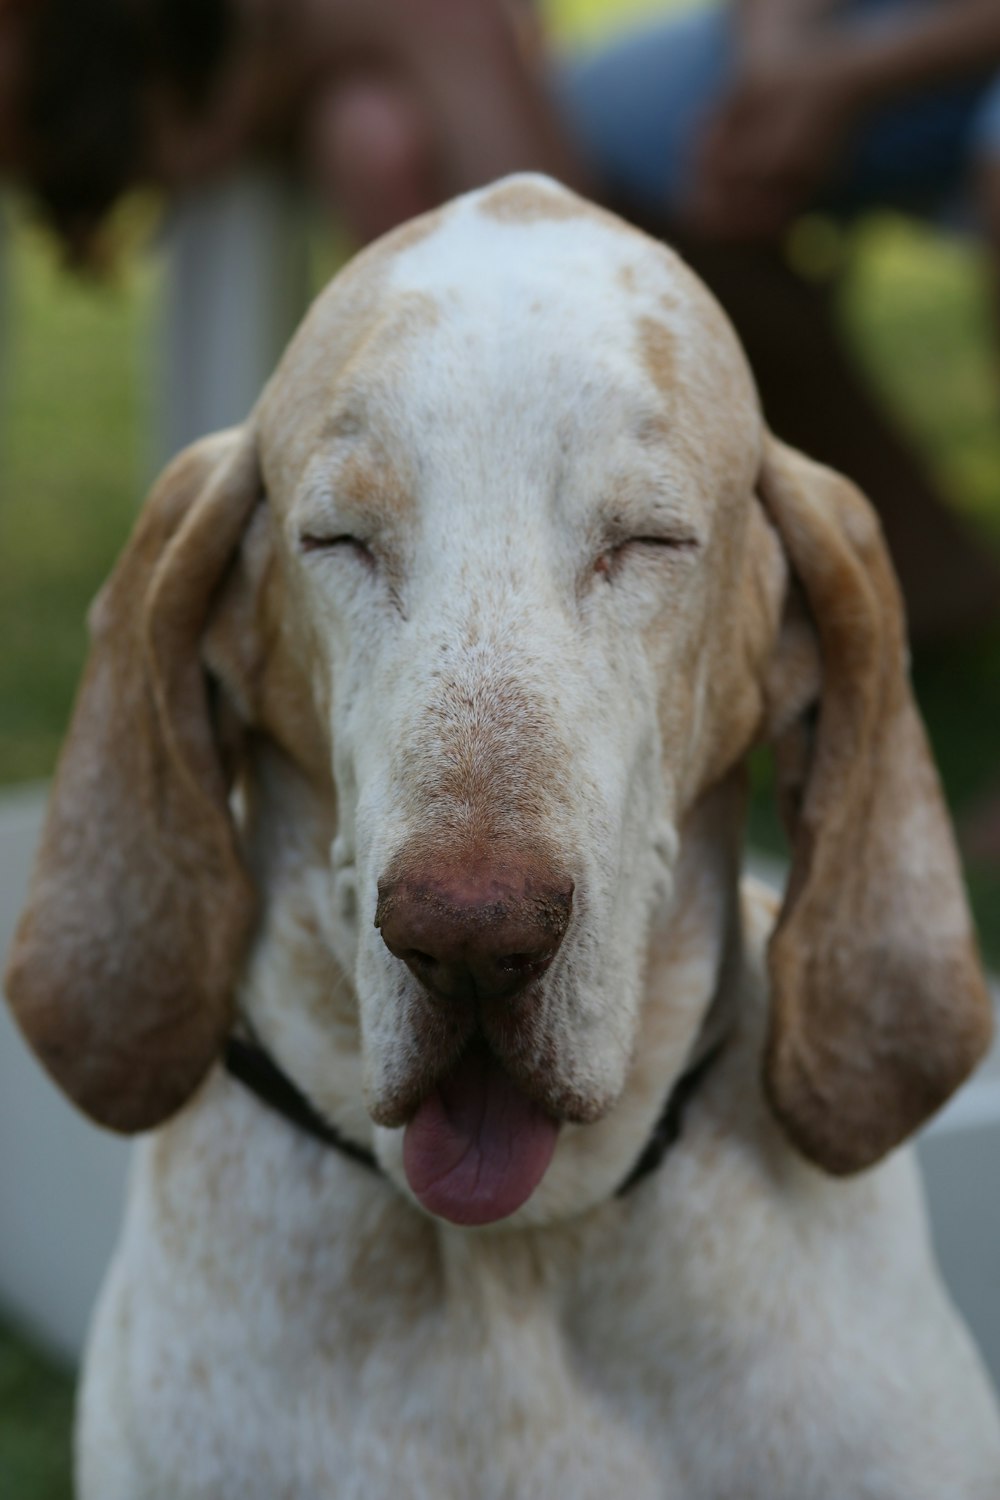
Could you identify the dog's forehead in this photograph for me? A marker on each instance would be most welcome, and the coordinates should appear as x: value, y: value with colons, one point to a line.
x: 522, y: 303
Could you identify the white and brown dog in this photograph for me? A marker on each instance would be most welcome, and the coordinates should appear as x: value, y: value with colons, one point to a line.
x: 473, y: 624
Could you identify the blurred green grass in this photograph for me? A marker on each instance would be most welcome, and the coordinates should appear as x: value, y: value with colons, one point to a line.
x: 72, y: 423
x: 36, y: 1401
x: 918, y: 314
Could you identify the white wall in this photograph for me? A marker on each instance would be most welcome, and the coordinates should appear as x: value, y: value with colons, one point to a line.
x: 60, y: 1177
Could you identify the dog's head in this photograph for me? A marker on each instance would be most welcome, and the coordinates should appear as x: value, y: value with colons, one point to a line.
x: 524, y: 579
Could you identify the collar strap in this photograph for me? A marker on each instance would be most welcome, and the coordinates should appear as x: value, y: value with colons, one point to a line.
x: 258, y: 1072
x: 667, y: 1130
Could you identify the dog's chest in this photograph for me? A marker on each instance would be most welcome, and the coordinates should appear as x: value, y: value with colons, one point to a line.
x: 344, y: 1331
x: 279, y: 1323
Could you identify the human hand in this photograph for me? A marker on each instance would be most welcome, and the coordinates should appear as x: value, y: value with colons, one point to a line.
x: 772, y: 141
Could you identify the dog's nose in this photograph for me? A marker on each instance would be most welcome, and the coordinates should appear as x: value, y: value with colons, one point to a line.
x: 474, y: 937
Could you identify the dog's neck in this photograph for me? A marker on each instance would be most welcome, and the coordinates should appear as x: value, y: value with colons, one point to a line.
x: 696, y: 947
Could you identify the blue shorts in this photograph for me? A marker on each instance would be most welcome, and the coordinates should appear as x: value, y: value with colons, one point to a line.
x: 637, y: 108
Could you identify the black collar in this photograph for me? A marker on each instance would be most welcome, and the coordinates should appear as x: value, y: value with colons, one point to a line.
x: 258, y: 1072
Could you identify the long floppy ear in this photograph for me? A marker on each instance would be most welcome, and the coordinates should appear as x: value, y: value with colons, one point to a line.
x: 123, y: 964
x: 879, y: 1007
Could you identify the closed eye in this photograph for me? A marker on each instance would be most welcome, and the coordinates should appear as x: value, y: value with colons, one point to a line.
x: 674, y: 543
x: 612, y: 558
x: 311, y: 541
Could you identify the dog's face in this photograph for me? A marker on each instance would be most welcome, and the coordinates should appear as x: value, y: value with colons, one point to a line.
x: 512, y: 512
x: 524, y: 604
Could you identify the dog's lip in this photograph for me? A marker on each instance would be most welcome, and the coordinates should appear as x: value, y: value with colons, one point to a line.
x: 539, y: 1081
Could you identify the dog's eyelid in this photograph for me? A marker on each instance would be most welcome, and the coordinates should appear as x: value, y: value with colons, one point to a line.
x: 662, y: 519
x: 320, y: 541
x: 618, y: 546
x: 677, y: 541
x: 319, y: 521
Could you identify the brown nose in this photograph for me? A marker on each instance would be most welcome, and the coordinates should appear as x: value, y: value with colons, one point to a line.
x: 483, y: 937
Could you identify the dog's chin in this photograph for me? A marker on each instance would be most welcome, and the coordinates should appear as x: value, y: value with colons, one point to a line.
x: 480, y: 1129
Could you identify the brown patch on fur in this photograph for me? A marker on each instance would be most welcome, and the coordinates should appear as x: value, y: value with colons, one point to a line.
x: 658, y: 351
x: 654, y: 431
x: 370, y: 481
x: 356, y: 333
x: 530, y: 203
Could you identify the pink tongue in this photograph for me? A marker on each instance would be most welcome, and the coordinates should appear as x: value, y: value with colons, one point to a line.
x: 477, y: 1147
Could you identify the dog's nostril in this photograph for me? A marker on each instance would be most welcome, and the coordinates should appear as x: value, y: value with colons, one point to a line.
x: 425, y: 959
x: 518, y: 963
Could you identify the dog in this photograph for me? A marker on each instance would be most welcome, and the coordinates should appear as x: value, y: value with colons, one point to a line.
x: 499, y: 1141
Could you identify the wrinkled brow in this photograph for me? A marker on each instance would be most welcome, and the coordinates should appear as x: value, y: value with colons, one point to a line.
x: 357, y: 480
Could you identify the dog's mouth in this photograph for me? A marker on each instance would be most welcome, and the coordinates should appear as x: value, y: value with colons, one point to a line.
x: 477, y: 1146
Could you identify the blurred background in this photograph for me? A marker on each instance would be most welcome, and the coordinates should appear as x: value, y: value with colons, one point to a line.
x: 104, y: 373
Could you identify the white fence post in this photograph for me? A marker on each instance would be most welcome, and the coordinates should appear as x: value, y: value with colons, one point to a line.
x: 236, y: 285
